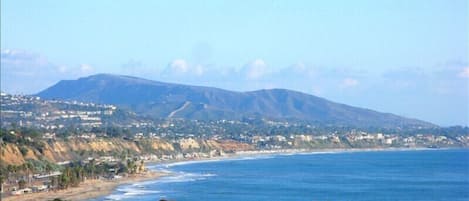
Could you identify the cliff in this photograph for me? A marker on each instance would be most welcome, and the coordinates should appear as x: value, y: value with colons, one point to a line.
x: 75, y: 149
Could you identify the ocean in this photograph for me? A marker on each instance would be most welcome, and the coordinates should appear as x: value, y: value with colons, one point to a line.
x: 339, y: 176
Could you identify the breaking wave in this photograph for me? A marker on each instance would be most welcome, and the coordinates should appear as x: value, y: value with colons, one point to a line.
x: 142, y: 188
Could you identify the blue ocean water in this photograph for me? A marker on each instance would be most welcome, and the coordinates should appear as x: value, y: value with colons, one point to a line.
x: 358, y: 176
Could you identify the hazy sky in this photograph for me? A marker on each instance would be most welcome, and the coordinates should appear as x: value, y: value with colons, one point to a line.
x: 405, y: 57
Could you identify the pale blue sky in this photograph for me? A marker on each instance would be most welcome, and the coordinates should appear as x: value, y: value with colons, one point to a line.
x: 404, y: 57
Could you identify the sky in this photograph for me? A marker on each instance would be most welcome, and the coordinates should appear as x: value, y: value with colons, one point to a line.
x: 404, y: 57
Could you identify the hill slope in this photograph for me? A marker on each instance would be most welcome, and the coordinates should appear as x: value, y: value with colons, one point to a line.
x: 160, y: 99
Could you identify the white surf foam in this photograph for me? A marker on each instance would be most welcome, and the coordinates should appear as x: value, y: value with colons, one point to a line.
x: 128, y: 191
x: 239, y: 158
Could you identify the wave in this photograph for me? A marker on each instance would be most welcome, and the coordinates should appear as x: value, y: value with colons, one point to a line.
x: 212, y: 160
x: 140, y: 188
x: 318, y: 153
x: 182, y: 177
x: 126, y: 192
x: 258, y: 157
x: 130, y: 191
x: 168, y: 165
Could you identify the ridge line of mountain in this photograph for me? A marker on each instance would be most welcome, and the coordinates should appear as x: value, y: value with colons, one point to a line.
x: 159, y: 99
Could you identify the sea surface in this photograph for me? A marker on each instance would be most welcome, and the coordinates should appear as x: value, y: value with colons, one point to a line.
x: 346, y: 176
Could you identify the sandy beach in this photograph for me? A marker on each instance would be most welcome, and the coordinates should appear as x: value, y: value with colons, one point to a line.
x: 86, y: 190
x: 96, y: 188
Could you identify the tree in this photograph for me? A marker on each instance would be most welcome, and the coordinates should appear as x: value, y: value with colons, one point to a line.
x: 23, y: 150
x: 29, y: 132
x: 131, y: 166
x: 53, y: 182
x: 91, y: 168
x: 48, y: 168
x: 63, y: 181
x: 78, y: 171
x: 29, y: 170
x: 74, y: 180
x: 12, y: 169
x: 21, y: 184
x: 142, y: 166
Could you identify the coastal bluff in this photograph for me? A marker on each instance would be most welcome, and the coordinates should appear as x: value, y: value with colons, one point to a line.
x: 61, y: 150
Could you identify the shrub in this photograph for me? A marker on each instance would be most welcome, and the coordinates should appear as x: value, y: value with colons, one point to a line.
x: 23, y: 150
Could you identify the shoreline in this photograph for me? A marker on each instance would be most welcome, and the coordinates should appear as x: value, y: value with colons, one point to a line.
x: 256, y: 154
x: 87, y: 190
x: 93, y: 189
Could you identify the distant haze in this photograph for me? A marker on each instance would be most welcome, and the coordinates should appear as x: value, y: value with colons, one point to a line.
x: 405, y: 57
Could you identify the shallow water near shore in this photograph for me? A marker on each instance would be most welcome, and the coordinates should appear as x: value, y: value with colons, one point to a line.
x: 362, y: 176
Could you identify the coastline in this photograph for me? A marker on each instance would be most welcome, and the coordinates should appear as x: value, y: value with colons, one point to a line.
x: 258, y: 154
x: 87, y: 190
x: 93, y: 189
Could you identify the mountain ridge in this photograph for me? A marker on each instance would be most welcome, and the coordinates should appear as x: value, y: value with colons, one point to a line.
x: 160, y: 99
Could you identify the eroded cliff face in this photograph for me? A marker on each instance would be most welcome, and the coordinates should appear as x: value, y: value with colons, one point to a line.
x: 11, y: 154
x: 187, y: 144
x: 229, y: 145
x: 75, y: 149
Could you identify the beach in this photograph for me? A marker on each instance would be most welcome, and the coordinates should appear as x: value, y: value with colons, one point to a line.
x: 96, y: 188
x: 88, y: 189
x: 407, y: 174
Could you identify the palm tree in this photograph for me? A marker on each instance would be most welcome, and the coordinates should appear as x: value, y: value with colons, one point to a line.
x: 48, y: 168
x: 11, y: 170
x: 22, y: 170
x: 92, y: 168
x: 21, y: 184
x: 29, y: 170
x: 53, y: 182
x: 63, y: 181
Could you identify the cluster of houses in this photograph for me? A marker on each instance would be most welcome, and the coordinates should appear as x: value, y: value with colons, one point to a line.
x: 352, y: 138
x: 42, y: 182
x: 181, y: 156
x: 43, y: 116
x: 36, y: 183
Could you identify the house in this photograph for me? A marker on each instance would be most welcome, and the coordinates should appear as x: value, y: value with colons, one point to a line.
x: 40, y: 188
x: 22, y: 191
x: 389, y: 141
x: 48, y: 135
x: 116, y: 177
x: 280, y: 138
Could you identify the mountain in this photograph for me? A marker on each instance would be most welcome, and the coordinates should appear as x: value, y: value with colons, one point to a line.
x: 159, y: 99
